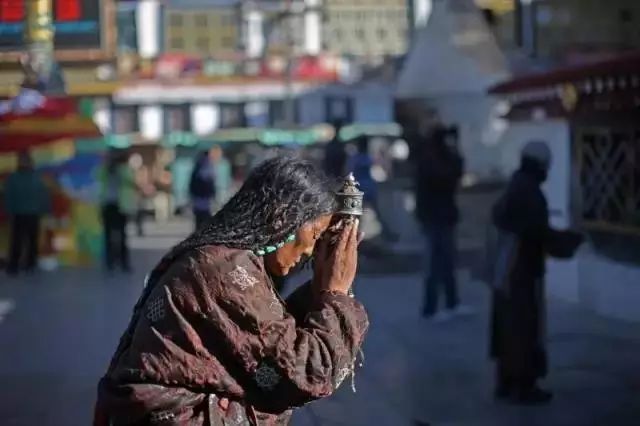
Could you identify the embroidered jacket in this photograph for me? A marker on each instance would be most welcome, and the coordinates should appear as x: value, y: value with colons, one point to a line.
x: 215, y: 345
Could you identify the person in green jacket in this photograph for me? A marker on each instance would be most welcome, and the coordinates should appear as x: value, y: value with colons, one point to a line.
x: 26, y: 199
x: 118, y: 196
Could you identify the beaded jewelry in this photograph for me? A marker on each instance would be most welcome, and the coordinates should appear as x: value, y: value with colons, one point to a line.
x: 271, y: 249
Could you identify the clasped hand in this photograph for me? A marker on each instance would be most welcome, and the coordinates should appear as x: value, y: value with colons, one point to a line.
x: 336, y: 262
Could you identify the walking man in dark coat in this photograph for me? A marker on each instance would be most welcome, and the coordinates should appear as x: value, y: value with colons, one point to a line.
x: 518, y: 312
x: 437, y: 180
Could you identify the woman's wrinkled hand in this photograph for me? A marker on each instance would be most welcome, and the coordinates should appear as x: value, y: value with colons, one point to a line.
x: 336, y: 264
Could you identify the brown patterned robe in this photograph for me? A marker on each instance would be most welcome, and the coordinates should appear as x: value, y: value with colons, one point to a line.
x: 215, y: 345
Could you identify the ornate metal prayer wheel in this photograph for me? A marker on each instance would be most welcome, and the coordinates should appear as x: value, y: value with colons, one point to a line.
x: 350, y: 198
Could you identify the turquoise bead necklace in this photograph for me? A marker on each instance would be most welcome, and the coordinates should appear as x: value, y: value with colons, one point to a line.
x: 271, y: 249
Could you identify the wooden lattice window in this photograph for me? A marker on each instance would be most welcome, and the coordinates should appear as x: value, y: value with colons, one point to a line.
x: 609, y: 161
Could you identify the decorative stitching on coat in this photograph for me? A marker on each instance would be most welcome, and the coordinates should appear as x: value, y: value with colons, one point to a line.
x: 162, y: 416
x: 240, y: 277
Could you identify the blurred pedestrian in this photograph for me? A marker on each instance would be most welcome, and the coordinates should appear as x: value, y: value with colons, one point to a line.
x: 163, y: 187
x: 144, y: 188
x: 521, y: 219
x: 360, y: 164
x: 438, y: 175
x: 335, y: 155
x: 26, y: 199
x: 211, y: 343
x: 118, y: 195
x: 223, y: 178
x: 202, y: 188
x: 181, y: 169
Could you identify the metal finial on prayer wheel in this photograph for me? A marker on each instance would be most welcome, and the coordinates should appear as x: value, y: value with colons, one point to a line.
x: 350, y: 197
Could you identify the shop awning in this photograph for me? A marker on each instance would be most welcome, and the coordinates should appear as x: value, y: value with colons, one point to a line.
x: 622, y: 66
x: 608, y: 86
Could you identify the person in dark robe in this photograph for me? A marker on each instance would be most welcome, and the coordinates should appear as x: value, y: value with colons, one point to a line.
x: 211, y: 342
x: 521, y: 218
x: 439, y: 171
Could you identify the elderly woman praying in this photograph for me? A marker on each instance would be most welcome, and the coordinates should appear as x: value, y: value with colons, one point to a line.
x: 210, y: 341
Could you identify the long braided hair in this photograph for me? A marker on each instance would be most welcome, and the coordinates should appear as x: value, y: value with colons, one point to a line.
x: 279, y: 196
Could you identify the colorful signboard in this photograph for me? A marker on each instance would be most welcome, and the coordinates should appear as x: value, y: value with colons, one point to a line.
x: 82, y: 27
x: 76, y: 22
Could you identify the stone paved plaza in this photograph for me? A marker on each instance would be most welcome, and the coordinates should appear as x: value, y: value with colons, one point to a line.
x: 58, y: 331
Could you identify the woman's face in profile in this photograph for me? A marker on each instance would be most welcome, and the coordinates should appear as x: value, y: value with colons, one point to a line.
x: 280, y: 262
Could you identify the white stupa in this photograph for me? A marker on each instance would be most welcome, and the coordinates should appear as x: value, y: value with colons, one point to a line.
x: 453, y: 61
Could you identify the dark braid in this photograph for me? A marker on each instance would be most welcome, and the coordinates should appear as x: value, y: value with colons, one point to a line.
x: 280, y: 196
